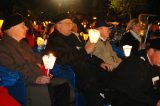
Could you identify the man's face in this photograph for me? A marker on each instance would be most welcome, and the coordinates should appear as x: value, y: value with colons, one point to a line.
x: 65, y: 26
x: 138, y: 28
x: 105, y: 32
x: 154, y: 56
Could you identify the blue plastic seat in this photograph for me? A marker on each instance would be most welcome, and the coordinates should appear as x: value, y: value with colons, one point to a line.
x: 18, y: 91
x: 13, y: 81
x: 66, y: 72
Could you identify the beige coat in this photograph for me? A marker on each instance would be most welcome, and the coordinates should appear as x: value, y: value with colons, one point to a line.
x: 105, y: 52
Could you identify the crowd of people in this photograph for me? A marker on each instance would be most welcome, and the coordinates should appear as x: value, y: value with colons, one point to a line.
x: 124, y: 81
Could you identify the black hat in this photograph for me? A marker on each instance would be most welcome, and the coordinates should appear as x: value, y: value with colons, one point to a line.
x: 100, y: 23
x: 155, y: 43
x: 60, y: 17
x: 12, y: 20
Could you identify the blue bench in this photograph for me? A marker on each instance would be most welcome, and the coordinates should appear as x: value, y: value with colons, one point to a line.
x: 12, y: 80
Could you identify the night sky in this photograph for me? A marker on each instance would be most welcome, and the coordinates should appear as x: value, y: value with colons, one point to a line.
x: 85, y: 6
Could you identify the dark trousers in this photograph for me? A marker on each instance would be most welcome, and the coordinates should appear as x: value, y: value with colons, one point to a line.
x: 116, y: 98
x: 90, y: 84
x: 59, y: 90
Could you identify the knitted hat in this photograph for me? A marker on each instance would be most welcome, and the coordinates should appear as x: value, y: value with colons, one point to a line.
x: 12, y: 21
x: 60, y: 17
x: 101, y: 23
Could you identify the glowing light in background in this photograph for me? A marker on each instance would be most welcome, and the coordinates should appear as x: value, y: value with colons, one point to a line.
x: 1, y: 23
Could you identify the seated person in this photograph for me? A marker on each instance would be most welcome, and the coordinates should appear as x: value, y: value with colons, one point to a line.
x: 132, y: 36
x: 103, y: 48
x: 70, y: 51
x: 17, y: 55
x: 135, y: 80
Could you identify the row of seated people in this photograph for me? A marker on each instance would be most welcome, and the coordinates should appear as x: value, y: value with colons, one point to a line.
x: 41, y: 89
x: 92, y: 73
x: 15, y: 54
x: 60, y: 40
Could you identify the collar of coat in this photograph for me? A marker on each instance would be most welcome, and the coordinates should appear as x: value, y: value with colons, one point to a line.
x: 135, y: 35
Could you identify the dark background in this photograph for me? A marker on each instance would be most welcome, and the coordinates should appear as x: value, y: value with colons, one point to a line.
x: 45, y: 9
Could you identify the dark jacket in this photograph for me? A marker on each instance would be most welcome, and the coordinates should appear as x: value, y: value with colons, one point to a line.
x: 133, y: 78
x: 128, y: 39
x: 70, y: 51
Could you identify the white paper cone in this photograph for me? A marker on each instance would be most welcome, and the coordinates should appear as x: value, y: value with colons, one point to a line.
x: 51, y: 61
x: 45, y: 61
x: 127, y: 50
x: 93, y: 35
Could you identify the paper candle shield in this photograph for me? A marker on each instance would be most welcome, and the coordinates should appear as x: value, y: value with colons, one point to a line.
x: 93, y: 35
x: 45, y: 61
x: 127, y: 50
x: 49, y: 61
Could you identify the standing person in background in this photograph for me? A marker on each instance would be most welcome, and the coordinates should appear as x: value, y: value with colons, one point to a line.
x: 103, y: 48
x: 78, y: 20
x: 132, y: 36
x: 16, y: 54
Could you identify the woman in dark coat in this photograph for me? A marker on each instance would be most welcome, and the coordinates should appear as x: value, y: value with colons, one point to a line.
x: 132, y: 36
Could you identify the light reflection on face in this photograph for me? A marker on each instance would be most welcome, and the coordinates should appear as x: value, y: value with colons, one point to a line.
x: 155, y: 57
x: 105, y: 32
x: 66, y: 26
x: 18, y: 31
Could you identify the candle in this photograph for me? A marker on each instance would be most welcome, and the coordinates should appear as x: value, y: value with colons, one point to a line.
x: 93, y: 35
x: 45, y: 61
x: 49, y: 61
x: 40, y: 41
x: 127, y: 50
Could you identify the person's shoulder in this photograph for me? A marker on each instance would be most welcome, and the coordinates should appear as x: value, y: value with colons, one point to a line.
x: 53, y: 37
x: 127, y: 34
